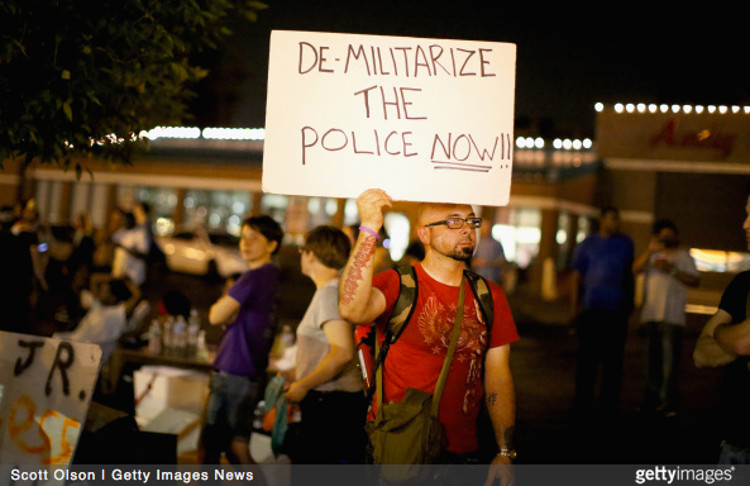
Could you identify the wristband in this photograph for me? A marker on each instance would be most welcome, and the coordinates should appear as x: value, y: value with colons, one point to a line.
x: 508, y: 452
x: 370, y: 232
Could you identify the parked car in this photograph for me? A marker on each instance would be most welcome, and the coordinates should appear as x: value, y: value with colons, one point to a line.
x: 200, y: 252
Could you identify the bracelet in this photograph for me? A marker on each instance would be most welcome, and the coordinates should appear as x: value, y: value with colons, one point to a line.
x: 370, y: 232
x: 507, y: 452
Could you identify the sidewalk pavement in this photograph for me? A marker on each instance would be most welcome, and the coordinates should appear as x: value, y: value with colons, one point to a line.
x: 543, y: 364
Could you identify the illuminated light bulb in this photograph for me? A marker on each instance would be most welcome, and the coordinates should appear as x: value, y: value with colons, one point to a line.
x: 687, y: 109
x: 746, y: 109
x: 675, y: 108
x: 699, y: 109
x: 722, y: 109
x: 663, y: 108
x: 587, y: 143
x: 521, y: 142
x: 557, y: 144
x: 641, y: 107
x: 652, y: 108
x: 577, y: 144
x: 711, y: 109
x: 539, y: 143
x: 630, y: 107
x: 735, y: 109
x: 619, y: 107
x: 599, y: 107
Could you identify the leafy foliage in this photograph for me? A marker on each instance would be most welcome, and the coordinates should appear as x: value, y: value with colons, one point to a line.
x: 79, y: 76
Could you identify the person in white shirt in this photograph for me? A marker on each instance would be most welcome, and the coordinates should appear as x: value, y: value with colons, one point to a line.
x: 110, y: 302
x: 132, y: 249
x: 669, y: 270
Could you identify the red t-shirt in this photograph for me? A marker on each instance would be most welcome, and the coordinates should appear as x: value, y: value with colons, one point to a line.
x: 416, y: 358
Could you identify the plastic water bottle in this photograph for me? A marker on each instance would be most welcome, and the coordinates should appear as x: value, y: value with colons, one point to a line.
x: 287, y: 338
x: 201, y: 350
x: 180, y: 335
x: 258, y: 413
x: 167, y: 334
x: 154, y: 337
x: 194, y: 327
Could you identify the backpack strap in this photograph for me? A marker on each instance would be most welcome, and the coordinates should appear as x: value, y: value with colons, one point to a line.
x: 404, y: 306
x: 481, y: 290
x: 400, y: 315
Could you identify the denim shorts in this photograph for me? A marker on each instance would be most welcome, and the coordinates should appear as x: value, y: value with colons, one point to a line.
x: 231, y: 404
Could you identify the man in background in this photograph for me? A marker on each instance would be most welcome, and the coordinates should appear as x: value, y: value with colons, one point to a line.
x: 602, y: 301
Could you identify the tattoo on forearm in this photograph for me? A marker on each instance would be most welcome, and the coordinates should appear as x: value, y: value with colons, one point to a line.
x: 361, y: 260
x: 491, y: 399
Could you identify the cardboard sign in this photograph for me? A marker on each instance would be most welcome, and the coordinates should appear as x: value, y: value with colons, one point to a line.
x: 422, y: 119
x: 46, y: 385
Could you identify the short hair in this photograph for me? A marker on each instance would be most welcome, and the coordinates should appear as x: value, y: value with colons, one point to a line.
x: 146, y: 207
x: 268, y: 227
x: 128, y: 219
x: 663, y: 224
x: 608, y: 209
x: 330, y: 245
x: 119, y: 290
x: 176, y: 303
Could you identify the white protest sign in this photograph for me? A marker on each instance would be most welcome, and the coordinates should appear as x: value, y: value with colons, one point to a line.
x: 423, y: 119
x: 46, y: 385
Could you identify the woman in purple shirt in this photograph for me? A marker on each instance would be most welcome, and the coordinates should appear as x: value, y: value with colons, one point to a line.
x: 247, y: 311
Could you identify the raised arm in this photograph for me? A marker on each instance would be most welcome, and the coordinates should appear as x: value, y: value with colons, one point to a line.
x: 359, y: 302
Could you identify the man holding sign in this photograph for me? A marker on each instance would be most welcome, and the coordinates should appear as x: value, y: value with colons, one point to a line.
x: 480, y: 366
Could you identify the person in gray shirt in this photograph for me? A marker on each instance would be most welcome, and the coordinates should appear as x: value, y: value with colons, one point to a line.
x: 327, y: 384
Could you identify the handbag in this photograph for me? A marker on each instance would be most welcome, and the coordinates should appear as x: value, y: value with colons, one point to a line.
x: 408, y: 433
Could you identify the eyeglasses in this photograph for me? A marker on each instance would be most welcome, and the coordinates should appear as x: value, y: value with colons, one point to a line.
x: 458, y: 223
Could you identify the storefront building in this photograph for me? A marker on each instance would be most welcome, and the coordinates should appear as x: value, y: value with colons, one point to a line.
x: 687, y: 164
x: 690, y: 164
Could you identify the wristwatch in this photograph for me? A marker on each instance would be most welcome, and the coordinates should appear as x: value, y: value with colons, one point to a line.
x: 508, y: 452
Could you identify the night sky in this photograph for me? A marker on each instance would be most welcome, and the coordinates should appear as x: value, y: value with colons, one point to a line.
x: 568, y: 58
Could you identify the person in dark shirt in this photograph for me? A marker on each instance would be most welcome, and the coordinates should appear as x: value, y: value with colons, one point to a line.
x: 725, y: 341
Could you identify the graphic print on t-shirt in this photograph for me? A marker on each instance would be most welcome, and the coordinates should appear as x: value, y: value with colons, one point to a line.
x: 435, y: 323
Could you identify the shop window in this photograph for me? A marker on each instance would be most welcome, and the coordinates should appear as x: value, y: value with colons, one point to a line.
x: 397, y: 226
x: 162, y: 201
x: 351, y: 213
x: 218, y: 211
x: 720, y: 261
x: 520, y: 235
x: 274, y: 205
x: 322, y: 210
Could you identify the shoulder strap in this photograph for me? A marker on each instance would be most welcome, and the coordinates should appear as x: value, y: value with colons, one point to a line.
x: 443, y: 378
x: 404, y: 306
x: 400, y: 315
x: 483, y: 295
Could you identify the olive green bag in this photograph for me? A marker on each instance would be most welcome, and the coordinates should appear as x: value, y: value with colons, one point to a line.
x: 408, y: 432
